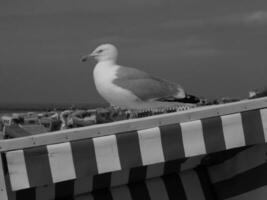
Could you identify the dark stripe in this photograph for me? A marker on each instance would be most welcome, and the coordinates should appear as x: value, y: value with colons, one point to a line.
x: 84, y: 157
x: 205, y: 182
x: 64, y: 190
x: 139, y: 191
x: 172, y: 142
x: 173, y: 166
x: 220, y: 157
x: 174, y: 187
x: 213, y: 134
x: 4, y: 161
x: 37, y: 165
x: 101, y: 181
x: 129, y: 149
x: 253, y: 128
x: 137, y: 174
x: 29, y: 194
x: 242, y: 183
x: 102, y: 195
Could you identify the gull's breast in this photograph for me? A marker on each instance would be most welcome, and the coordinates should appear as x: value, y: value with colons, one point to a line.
x: 115, y: 95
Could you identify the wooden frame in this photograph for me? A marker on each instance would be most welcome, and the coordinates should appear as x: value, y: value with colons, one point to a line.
x: 132, y: 124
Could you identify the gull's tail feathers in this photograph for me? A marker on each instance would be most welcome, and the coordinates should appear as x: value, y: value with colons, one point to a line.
x: 187, y: 99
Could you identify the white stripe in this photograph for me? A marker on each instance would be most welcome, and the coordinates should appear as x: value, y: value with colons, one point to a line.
x: 233, y: 131
x: 191, y: 183
x: 193, y: 139
x: 157, y: 189
x: 150, y: 146
x: 61, y: 162
x: 121, y: 193
x: 120, y: 177
x: 192, y: 162
x: 264, y: 122
x: 17, y: 170
x: 156, y: 170
x: 107, y: 156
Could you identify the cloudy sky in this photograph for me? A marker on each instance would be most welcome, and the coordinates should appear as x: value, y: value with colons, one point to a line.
x: 212, y: 48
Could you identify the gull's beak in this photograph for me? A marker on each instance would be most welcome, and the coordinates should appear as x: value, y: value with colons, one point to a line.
x: 86, y: 57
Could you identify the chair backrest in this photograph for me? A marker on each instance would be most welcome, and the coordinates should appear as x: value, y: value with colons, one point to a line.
x: 117, y: 153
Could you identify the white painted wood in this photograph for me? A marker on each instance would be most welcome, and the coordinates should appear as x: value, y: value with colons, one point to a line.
x: 61, y: 162
x: 193, y: 138
x: 192, y: 162
x: 150, y: 146
x: 17, y: 170
x: 233, y: 131
x: 157, y: 189
x: 192, y: 185
x: 264, y: 122
x: 107, y: 156
x: 133, y: 124
x: 120, y: 177
x: 121, y: 193
x: 3, y: 190
x: 156, y: 170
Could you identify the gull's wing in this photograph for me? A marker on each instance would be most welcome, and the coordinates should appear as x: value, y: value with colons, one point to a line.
x: 147, y: 87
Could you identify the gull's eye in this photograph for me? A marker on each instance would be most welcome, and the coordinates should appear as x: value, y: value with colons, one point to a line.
x: 100, y: 51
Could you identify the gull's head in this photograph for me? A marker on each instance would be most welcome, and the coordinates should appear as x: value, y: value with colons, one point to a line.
x: 104, y: 52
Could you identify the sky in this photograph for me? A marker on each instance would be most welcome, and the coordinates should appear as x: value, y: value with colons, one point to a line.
x: 212, y: 48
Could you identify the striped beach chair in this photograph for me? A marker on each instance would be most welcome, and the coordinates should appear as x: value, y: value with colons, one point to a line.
x: 213, y: 152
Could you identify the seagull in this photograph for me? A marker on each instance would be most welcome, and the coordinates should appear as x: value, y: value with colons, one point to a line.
x: 131, y: 88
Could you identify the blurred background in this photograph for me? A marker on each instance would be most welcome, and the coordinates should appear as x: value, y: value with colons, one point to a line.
x: 212, y: 48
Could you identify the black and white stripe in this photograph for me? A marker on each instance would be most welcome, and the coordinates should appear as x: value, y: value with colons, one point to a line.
x: 168, y: 187
x: 125, y: 151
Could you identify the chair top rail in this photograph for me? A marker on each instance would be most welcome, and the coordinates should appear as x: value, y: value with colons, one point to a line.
x: 131, y: 124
